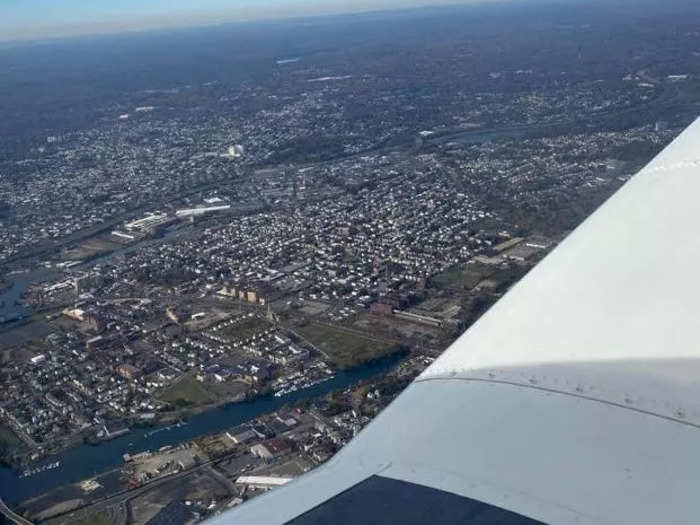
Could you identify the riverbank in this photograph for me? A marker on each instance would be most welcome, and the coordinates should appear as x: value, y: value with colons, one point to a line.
x: 13, y: 312
x: 86, y: 461
x: 163, y: 421
x: 16, y: 283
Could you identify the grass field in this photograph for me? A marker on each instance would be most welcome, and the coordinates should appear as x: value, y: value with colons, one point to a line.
x: 92, y: 248
x: 463, y: 277
x: 187, y: 391
x: 345, y: 349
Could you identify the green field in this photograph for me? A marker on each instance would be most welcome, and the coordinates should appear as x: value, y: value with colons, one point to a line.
x: 462, y: 277
x: 186, y: 392
x: 345, y: 349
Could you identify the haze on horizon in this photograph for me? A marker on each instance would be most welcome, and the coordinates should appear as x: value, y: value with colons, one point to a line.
x: 39, y: 19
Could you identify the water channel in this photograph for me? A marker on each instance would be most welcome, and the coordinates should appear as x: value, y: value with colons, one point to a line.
x: 85, y: 461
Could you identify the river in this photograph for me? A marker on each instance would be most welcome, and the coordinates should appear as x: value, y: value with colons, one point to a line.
x: 85, y: 461
x: 11, y: 308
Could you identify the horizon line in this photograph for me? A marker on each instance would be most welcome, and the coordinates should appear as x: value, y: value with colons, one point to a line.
x: 184, y: 20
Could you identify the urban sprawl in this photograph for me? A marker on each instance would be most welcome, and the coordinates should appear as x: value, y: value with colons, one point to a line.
x: 221, y: 242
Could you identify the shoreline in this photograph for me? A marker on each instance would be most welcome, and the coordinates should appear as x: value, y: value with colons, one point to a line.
x: 85, y: 462
x: 168, y: 419
x: 54, y: 495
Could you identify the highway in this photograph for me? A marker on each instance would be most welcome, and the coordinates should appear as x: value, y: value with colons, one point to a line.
x: 12, y: 516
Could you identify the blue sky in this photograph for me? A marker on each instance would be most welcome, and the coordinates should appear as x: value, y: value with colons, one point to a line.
x: 64, y: 12
x: 42, y: 18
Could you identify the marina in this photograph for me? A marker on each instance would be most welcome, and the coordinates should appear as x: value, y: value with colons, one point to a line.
x: 179, y: 424
x: 38, y: 470
x: 87, y: 461
x: 293, y: 386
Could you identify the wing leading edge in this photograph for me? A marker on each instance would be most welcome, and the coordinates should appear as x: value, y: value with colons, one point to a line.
x: 575, y: 399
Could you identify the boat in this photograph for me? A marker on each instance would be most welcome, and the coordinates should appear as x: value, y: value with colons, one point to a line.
x: 37, y: 470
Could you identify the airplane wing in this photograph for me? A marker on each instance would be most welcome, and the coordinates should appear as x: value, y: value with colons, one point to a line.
x: 574, y: 399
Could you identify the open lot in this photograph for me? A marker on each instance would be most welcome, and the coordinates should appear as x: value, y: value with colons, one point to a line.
x: 68, y: 497
x: 345, y: 349
x: 92, y: 248
x: 229, y: 389
x: 216, y: 445
x: 463, y: 277
x: 187, y: 391
x: 196, y: 486
x: 98, y: 517
x: 166, y: 462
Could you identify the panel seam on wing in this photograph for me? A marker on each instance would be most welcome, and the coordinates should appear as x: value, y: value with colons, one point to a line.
x: 556, y: 391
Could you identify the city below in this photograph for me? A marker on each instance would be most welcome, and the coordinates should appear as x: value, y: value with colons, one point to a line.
x: 214, y: 274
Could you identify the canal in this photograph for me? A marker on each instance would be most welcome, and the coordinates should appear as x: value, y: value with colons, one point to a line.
x: 85, y: 461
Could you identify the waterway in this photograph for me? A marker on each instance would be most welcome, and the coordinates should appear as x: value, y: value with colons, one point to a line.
x: 11, y: 308
x: 85, y: 461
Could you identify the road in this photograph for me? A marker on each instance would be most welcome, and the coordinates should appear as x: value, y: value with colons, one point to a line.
x: 124, y: 496
x: 12, y: 516
x: 222, y: 479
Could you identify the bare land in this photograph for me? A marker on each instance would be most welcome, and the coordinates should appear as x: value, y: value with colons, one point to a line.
x: 344, y: 348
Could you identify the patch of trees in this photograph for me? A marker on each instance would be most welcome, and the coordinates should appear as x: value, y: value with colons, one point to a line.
x: 637, y: 151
